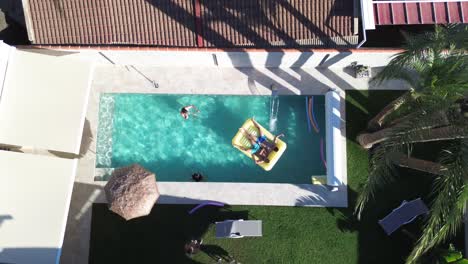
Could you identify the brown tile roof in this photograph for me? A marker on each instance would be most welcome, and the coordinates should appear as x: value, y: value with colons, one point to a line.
x: 193, y: 23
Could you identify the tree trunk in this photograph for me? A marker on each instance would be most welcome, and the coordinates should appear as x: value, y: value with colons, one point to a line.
x: 439, y: 134
x: 439, y: 116
x: 377, y: 122
x: 404, y: 161
x: 367, y: 140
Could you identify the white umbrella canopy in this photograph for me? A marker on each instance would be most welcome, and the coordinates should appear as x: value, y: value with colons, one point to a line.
x: 131, y: 191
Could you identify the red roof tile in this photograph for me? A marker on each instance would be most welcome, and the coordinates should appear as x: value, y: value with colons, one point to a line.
x: 276, y: 23
x: 420, y: 12
x: 112, y: 22
x: 193, y: 23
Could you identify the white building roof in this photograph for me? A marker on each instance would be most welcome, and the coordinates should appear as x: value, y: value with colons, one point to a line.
x: 44, y: 101
x: 35, y: 193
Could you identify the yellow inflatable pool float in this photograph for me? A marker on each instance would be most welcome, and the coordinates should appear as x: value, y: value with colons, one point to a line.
x: 240, y: 140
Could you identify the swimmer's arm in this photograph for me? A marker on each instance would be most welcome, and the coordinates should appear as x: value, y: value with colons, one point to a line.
x: 255, y: 160
x: 278, y: 136
x: 257, y: 126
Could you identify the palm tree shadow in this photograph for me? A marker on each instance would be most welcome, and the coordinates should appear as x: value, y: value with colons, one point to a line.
x: 216, y: 253
x: 266, y: 14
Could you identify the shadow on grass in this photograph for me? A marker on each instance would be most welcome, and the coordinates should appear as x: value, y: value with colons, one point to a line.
x: 157, y: 238
x: 216, y: 253
x: 373, y: 245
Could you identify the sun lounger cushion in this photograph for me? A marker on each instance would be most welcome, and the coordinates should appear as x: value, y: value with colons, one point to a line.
x: 238, y: 228
x: 404, y: 214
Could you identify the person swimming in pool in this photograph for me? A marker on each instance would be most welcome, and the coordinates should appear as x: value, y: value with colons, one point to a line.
x: 197, y: 177
x: 185, y: 111
x: 257, y: 151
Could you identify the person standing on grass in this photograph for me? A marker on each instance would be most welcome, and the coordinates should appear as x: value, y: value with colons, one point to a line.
x: 193, y: 247
x: 185, y: 111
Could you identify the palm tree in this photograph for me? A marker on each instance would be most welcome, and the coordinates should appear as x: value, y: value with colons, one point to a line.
x: 449, y: 171
x: 432, y: 64
x: 449, y: 205
x: 435, y: 109
x: 436, y: 125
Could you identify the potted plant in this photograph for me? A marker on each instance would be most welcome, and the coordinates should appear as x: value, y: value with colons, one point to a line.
x: 360, y: 71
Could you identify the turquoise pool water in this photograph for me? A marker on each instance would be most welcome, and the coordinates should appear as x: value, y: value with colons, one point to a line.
x: 147, y: 129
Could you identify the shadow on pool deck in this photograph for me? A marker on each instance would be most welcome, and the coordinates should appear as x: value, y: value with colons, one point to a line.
x: 273, y: 60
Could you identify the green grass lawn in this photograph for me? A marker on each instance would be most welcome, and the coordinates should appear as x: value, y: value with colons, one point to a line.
x: 290, y: 234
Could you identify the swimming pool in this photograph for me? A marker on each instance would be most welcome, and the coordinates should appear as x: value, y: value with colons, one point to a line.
x: 148, y: 129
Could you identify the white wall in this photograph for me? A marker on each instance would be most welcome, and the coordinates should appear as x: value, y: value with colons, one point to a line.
x: 35, y: 194
x: 44, y: 101
x: 322, y: 58
x: 336, y: 164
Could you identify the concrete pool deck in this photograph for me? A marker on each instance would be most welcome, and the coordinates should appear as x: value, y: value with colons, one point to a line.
x: 210, y: 80
x: 181, y: 79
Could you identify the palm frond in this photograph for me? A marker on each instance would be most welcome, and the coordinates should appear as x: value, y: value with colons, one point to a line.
x: 448, y: 207
x: 436, y: 121
x: 393, y: 70
x: 433, y: 134
x: 381, y: 166
x: 381, y: 172
x: 447, y: 77
x: 422, y: 52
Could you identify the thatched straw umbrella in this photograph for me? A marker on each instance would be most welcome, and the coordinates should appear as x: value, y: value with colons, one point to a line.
x: 131, y: 191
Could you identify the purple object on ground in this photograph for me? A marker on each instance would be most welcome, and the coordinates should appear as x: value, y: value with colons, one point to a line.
x: 205, y: 204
